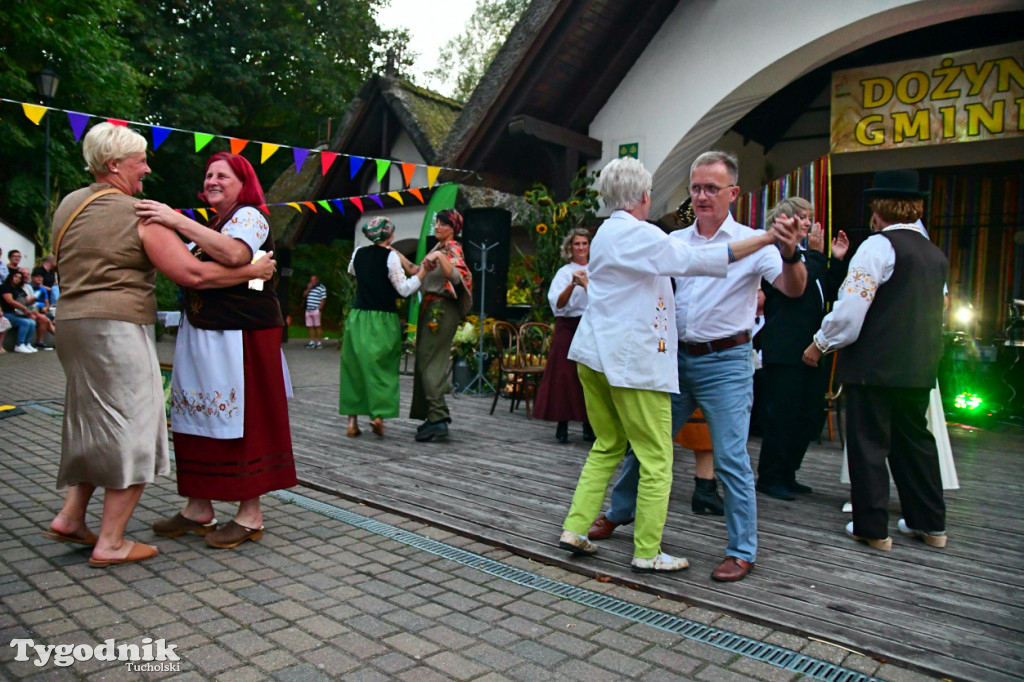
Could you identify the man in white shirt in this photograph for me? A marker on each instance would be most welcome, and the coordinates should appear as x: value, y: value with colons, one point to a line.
x: 625, y: 349
x: 715, y: 358
x: 889, y: 320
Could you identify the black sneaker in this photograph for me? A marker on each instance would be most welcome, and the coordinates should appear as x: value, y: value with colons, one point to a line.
x: 799, y: 488
x: 41, y: 346
x: 432, y: 431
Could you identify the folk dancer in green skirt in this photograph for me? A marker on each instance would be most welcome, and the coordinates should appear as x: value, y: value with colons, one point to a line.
x: 372, y: 344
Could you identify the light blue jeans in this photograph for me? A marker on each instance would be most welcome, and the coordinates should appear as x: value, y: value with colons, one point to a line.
x: 721, y: 385
x: 25, y: 327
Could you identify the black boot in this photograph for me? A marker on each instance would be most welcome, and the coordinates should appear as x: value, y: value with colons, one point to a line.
x: 588, y: 433
x: 705, y: 497
x: 562, y: 432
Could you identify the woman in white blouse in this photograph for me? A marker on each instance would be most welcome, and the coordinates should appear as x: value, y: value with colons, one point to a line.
x: 560, y: 395
x: 371, y: 347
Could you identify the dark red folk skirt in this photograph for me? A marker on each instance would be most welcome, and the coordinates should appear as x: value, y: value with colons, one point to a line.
x: 560, y: 395
x: 261, y: 460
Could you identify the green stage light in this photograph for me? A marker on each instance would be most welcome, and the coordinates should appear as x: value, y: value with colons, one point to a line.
x: 967, y: 401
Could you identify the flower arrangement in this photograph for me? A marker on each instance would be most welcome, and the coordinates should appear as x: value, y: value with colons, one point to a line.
x: 467, y: 340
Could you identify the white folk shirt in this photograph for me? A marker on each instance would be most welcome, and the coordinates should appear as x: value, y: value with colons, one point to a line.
x: 628, y: 329
x: 870, y: 268
x: 577, y: 299
x: 710, y: 309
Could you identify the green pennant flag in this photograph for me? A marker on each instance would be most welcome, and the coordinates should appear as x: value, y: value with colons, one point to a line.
x: 202, y: 139
x: 382, y: 168
x: 323, y: 202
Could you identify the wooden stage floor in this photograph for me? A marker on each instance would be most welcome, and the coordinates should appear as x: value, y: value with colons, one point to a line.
x: 503, y: 479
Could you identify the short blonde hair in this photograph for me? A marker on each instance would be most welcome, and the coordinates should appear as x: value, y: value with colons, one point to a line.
x: 569, y: 238
x: 787, y: 207
x: 107, y: 142
x: 622, y: 184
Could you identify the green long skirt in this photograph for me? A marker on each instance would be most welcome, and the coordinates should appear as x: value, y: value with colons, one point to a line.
x: 371, y: 351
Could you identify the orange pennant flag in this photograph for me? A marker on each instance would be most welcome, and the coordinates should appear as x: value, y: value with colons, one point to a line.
x: 407, y: 170
x: 432, y: 173
x: 268, y: 151
x: 416, y: 193
x: 397, y: 197
x: 34, y: 112
x: 326, y: 159
x: 237, y: 145
x: 310, y: 204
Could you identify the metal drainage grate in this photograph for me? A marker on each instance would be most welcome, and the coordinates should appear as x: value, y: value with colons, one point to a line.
x: 788, y: 659
x: 41, y: 406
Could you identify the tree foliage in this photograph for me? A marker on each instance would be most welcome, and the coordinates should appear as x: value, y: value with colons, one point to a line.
x: 464, y: 59
x: 262, y: 71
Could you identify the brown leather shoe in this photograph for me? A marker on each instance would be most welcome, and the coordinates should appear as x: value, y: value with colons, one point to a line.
x: 179, y: 525
x: 732, y: 569
x: 232, y: 534
x: 352, y: 431
x: 602, y: 528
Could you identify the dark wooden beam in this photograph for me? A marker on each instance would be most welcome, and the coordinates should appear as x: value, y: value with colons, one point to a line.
x: 549, y: 132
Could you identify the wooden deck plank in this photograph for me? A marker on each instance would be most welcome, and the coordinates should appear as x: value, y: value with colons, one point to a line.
x: 504, y: 480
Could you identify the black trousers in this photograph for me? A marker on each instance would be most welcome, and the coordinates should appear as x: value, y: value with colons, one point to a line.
x: 794, y: 417
x: 886, y: 423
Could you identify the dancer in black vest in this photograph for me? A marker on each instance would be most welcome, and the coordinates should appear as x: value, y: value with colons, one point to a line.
x: 889, y: 315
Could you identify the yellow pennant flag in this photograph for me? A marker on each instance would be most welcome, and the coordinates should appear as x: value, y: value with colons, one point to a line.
x: 295, y: 206
x: 397, y: 197
x: 202, y: 212
x: 432, y: 173
x: 34, y: 112
x: 268, y: 151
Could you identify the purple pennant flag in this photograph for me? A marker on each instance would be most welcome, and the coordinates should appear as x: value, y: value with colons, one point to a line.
x: 339, y: 205
x: 355, y: 163
x: 300, y: 157
x: 191, y: 213
x: 159, y: 135
x: 78, y: 122
x: 376, y: 199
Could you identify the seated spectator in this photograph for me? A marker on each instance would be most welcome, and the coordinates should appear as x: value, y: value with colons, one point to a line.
x: 43, y: 323
x: 47, y: 270
x: 17, y: 311
x: 44, y: 297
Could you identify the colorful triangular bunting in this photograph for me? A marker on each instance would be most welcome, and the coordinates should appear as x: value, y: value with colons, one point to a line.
x: 416, y: 193
x: 263, y: 207
x: 202, y: 139
x: 33, y: 112
x: 339, y: 204
x: 358, y: 203
x: 432, y: 173
x: 407, y: 170
x: 190, y: 212
x: 299, y: 155
x: 202, y: 212
x: 78, y: 122
x: 295, y: 206
x: 326, y: 159
x: 268, y: 151
x: 159, y: 135
x: 237, y: 145
x: 376, y: 199
x: 397, y: 197
x: 354, y: 164
x: 118, y: 122
x: 382, y: 168
x: 327, y: 207
x: 310, y: 204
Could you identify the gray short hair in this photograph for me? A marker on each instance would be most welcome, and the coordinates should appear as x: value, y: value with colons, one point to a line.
x: 622, y: 183
x: 566, y: 249
x: 107, y: 142
x: 787, y: 207
x: 732, y: 164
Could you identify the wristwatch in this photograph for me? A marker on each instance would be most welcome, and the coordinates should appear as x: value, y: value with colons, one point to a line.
x: 795, y: 258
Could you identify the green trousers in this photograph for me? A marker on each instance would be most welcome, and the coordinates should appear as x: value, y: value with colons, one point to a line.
x: 643, y: 419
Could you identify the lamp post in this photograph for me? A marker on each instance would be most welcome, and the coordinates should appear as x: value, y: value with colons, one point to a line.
x: 46, y: 83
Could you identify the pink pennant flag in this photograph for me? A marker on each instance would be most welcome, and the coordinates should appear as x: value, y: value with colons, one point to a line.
x: 326, y: 159
x: 354, y: 164
x: 78, y: 122
x: 300, y: 157
x: 358, y: 203
x: 159, y: 135
x: 117, y: 122
x: 263, y: 207
x: 407, y: 170
x: 376, y: 200
x: 237, y: 145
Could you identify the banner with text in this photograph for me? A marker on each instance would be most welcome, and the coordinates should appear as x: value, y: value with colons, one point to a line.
x: 959, y: 97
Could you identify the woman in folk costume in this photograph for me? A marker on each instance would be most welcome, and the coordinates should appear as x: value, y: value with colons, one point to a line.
x: 372, y: 345
x: 230, y: 388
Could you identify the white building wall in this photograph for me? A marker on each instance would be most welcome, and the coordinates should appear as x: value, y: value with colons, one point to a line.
x: 713, y: 62
x: 408, y: 218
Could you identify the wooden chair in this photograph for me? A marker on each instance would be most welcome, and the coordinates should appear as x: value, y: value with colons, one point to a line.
x: 832, y: 405
x: 517, y: 375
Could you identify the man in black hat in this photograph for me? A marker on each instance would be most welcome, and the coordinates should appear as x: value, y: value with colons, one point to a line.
x: 889, y: 321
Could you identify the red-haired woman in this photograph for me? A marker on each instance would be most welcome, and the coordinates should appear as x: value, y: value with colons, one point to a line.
x: 229, y: 408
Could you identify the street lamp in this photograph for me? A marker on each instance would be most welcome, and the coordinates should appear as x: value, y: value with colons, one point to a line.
x: 46, y: 83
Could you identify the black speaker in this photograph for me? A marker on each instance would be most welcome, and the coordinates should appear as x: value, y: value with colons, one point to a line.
x: 483, y: 227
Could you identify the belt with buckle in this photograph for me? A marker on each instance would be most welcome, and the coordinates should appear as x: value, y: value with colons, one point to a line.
x: 706, y: 347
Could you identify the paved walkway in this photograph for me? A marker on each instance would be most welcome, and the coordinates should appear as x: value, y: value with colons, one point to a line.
x: 319, y: 598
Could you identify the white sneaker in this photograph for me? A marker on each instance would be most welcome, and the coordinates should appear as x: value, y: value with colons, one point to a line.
x: 311, y: 344
x: 576, y: 543
x: 319, y: 344
x: 24, y: 348
x: 663, y: 563
x: 932, y: 539
x: 847, y: 507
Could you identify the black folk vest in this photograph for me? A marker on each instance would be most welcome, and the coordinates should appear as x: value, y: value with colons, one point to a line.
x: 900, y: 343
x: 374, y: 290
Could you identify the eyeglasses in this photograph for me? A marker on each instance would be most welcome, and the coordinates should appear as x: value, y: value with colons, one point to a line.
x: 709, y: 190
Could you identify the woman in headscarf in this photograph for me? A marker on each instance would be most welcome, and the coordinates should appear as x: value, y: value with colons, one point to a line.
x: 371, y: 348
x: 115, y: 428
x: 447, y: 297
x: 229, y: 392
